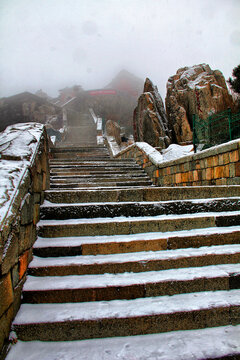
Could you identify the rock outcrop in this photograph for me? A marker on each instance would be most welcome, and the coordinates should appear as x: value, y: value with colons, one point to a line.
x: 194, y: 90
x: 113, y: 130
x: 149, y: 119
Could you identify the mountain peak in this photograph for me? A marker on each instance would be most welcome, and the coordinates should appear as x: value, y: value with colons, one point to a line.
x: 127, y: 82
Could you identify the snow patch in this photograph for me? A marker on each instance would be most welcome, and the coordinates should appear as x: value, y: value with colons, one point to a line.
x: 213, y: 343
x: 142, y: 256
x: 128, y: 279
x: 47, y: 313
x: 175, y: 151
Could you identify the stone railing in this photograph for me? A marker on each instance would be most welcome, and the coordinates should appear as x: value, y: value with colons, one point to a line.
x: 215, y: 166
x: 24, y: 175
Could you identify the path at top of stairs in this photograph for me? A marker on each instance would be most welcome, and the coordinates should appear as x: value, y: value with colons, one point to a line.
x: 122, y: 269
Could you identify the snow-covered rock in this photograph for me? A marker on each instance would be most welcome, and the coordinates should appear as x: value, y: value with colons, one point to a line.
x: 149, y: 119
x: 194, y: 90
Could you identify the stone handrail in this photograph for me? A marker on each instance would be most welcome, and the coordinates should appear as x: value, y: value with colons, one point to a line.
x: 218, y: 165
x: 24, y: 173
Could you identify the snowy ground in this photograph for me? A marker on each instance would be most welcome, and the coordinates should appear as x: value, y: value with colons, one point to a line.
x: 176, y: 345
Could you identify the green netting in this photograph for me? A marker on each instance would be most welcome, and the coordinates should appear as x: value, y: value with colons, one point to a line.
x: 216, y: 129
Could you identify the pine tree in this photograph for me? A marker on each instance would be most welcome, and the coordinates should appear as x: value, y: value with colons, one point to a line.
x: 235, y: 81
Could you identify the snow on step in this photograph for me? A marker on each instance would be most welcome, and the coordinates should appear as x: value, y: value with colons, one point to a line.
x: 48, y: 203
x: 81, y: 240
x: 115, y: 309
x: 210, y: 343
x: 137, y: 218
x: 127, y: 279
x: 143, y: 256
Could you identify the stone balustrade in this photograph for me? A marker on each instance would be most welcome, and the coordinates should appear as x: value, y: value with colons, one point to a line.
x: 215, y: 166
x: 24, y: 173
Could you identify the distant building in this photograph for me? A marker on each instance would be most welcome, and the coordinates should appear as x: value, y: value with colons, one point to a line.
x: 27, y: 107
x: 69, y: 93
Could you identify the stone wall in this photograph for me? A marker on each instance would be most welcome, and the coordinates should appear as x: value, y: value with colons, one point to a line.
x: 216, y: 166
x: 20, y: 216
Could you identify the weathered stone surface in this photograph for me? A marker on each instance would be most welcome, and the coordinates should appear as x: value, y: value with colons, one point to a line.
x: 6, y: 292
x: 194, y: 90
x: 23, y: 263
x: 17, y: 295
x: 5, y: 325
x: 113, y: 129
x: 10, y: 253
x: 149, y: 118
x: 27, y: 237
x: 27, y: 209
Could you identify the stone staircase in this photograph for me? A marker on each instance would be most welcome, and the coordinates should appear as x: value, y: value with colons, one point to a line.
x: 125, y: 270
x: 81, y: 129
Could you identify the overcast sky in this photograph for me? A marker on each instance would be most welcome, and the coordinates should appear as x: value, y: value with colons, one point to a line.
x: 50, y: 44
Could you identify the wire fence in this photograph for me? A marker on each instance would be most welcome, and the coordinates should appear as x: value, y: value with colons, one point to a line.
x: 215, y: 130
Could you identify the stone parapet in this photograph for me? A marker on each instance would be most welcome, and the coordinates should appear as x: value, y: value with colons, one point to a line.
x: 215, y: 166
x: 24, y: 172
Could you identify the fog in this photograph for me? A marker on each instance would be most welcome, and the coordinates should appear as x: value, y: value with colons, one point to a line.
x: 50, y: 44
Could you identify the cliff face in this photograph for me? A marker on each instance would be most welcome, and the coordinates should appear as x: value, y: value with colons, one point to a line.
x: 194, y: 90
x: 149, y: 120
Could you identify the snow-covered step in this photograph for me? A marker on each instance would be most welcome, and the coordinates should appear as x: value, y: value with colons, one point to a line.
x: 95, y: 178
x: 91, y: 163
x: 83, y: 157
x: 110, y: 177
x: 111, y: 209
x: 93, y: 245
x: 130, y: 225
x: 94, y: 166
x: 211, y: 343
x: 143, y: 194
x: 101, y: 182
x: 135, y: 262
x: 73, y: 288
x: 74, y: 321
x: 93, y: 171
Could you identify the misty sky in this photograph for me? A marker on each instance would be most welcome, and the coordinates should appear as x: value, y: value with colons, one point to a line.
x: 50, y: 44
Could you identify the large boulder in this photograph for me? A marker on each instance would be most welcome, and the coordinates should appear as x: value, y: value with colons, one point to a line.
x: 149, y: 118
x: 194, y: 90
x: 113, y: 130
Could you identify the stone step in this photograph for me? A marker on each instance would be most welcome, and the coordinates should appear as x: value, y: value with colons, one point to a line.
x: 130, y: 225
x: 94, y: 245
x: 90, y: 150
x: 135, y: 262
x: 92, y: 171
x: 175, y: 345
x: 80, y: 155
x: 95, y: 170
x: 73, y: 148
x: 58, y: 160
x: 101, y: 187
x: 87, y: 162
x: 142, y: 194
x: 99, y: 165
x: 129, y: 209
x: 74, y: 321
x: 82, y: 288
x: 95, y: 177
x: 77, y: 156
x: 102, y: 183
